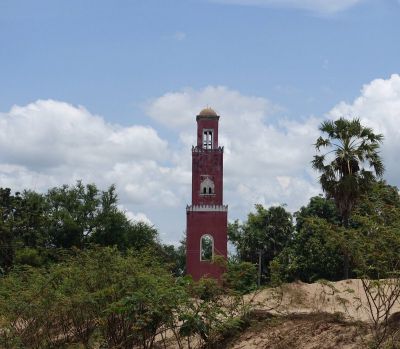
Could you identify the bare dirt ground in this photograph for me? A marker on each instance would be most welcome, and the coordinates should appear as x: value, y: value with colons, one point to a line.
x: 322, y: 315
x: 311, y: 316
x: 309, y: 331
x: 346, y: 297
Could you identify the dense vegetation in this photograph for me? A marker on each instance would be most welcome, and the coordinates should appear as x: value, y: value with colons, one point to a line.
x: 101, y: 296
x: 39, y: 229
x: 75, y: 269
x: 353, y: 230
x: 316, y: 245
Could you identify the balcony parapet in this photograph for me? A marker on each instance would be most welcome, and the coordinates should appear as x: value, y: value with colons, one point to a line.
x: 207, y: 208
x: 196, y: 149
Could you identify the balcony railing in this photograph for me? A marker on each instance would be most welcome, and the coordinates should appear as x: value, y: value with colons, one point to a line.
x: 207, y: 208
x: 197, y: 149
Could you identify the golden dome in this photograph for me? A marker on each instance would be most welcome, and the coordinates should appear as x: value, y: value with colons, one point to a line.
x: 208, y: 112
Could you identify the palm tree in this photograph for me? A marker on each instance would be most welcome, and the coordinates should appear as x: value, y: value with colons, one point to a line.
x: 350, y: 164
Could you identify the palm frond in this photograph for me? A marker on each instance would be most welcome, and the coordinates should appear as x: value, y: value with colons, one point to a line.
x: 355, y: 164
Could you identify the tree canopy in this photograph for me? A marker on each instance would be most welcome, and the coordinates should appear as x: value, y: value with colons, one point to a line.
x: 35, y: 227
x: 350, y: 164
x: 372, y: 238
x: 266, y: 231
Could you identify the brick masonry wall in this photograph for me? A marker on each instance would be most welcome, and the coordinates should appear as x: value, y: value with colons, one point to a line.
x: 199, y: 224
x: 206, y: 163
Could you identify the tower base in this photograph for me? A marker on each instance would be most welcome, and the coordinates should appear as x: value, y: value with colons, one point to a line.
x: 203, y: 220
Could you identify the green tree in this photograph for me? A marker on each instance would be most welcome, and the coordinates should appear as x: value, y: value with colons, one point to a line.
x: 376, y: 219
x: 313, y: 253
x: 140, y: 235
x: 72, y: 214
x: 24, y: 226
x: 32, y: 220
x: 126, y: 298
x: 240, y: 276
x: 39, y: 228
x: 81, y: 215
x: 267, y: 231
x: 174, y: 257
x: 318, y: 207
x: 8, y: 210
x: 373, y: 238
x: 349, y: 166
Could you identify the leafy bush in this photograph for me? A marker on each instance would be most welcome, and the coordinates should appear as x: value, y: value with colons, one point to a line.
x: 127, y: 300
x: 117, y: 300
x: 241, y: 276
x: 28, y: 256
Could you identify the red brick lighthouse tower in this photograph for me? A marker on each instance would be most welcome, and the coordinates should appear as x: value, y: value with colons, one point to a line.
x: 207, y: 216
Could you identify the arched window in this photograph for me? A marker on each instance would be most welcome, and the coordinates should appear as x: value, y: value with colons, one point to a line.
x: 206, y: 247
x: 207, y: 139
x: 207, y: 186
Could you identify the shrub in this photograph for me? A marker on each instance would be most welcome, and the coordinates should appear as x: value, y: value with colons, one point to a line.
x: 241, y: 277
x: 127, y: 299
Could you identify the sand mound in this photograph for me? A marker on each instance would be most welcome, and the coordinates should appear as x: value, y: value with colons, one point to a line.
x: 310, y: 331
x: 346, y: 297
x: 321, y: 315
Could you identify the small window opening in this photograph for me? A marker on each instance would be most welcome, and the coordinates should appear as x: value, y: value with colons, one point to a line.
x: 207, y: 187
x: 207, y: 139
x: 206, y: 248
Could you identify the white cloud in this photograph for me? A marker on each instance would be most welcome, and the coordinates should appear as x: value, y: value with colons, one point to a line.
x: 50, y: 134
x: 135, y: 217
x: 378, y: 106
x: 48, y: 143
x: 319, y: 6
x: 284, y: 181
x: 266, y: 155
x: 266, y: 160
x: 178, y: 109
x: 179, y: 36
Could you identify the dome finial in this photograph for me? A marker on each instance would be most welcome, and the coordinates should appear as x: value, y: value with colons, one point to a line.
x: 208, y: 111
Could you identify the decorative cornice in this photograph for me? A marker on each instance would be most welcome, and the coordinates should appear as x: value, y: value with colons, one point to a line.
x: 207, y: 208
x: 197, y: 149
x: 207, y: 117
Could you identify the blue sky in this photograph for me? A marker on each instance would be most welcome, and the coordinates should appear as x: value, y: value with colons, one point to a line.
x: 141, y: 70
x: 111, y: 56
